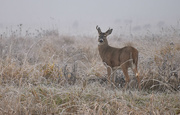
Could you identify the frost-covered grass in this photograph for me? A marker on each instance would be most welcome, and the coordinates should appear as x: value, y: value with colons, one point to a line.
x: 48, y: 73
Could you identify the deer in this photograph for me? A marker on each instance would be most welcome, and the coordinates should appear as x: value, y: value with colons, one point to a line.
x: 117, y: 58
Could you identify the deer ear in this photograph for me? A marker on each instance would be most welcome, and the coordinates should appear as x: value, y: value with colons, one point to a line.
x: 108, y: 32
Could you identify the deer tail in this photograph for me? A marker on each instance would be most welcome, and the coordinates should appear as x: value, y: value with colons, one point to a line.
x: 134, y: 60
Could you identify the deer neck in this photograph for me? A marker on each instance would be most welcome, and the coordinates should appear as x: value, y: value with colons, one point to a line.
x: 102, y: 48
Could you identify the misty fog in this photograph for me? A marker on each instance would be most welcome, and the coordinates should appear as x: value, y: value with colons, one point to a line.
x: 82, y: 16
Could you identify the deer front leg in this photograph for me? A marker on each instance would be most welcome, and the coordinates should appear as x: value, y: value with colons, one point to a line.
x: 109, y: 75
x: 113, y: 77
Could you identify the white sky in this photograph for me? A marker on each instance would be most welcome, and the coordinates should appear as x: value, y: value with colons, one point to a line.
x: 86, y: 14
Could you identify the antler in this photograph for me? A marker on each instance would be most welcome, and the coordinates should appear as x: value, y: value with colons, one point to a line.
x: 98, y: 29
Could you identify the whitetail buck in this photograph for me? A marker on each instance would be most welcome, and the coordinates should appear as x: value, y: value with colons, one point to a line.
x: 116, y: 58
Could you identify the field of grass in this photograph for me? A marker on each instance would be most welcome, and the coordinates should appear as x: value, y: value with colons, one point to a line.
x: 49, y: 73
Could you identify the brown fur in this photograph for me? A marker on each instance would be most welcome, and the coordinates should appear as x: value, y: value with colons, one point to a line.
x: 116, y: 58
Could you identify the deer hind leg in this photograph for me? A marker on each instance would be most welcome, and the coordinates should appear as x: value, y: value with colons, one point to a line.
x: 125, y: 71
x: 137, y: 76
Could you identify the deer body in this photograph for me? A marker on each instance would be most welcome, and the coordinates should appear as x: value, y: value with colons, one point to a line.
x: 117, y: 58
x: 114, y: 57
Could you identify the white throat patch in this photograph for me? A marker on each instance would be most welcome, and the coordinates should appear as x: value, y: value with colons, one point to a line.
x: 99, y: 43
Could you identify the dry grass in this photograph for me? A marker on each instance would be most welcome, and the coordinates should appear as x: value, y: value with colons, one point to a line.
x: 50, y: 73
x: 93, y: 99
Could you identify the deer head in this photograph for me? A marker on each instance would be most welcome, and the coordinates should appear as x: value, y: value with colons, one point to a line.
x: 102, y: 35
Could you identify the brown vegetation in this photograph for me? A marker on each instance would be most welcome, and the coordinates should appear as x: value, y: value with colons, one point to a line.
x: 48, y: 73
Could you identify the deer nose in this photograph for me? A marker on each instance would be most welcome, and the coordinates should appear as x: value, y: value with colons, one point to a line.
x: 101, y: 40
